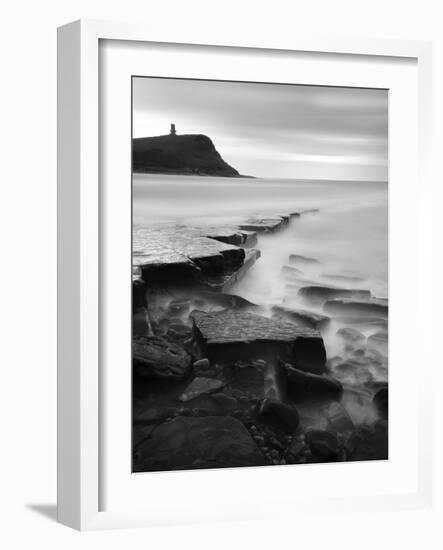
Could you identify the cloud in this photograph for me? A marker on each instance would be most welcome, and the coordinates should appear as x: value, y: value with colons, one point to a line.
x: 274, y: 130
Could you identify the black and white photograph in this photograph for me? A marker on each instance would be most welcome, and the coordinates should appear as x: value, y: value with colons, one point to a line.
x: 259, y: 274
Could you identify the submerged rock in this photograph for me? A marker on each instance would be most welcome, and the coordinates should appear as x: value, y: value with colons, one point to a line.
x: 198, y: 442
x: 302, y: 317
x: 353, y: 340
x: 279, y: 415
x: 378, y: 343
x: 323, y: 444
x: 156, y: 357
x: 201, y: 386
x: 320, y: 294
x: 347, y: 307
x: 303, y: 386
x: 297, y: 260
x: 230, y: 336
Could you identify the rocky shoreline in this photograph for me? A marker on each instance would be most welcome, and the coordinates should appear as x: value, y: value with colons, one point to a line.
x: 219, y: 381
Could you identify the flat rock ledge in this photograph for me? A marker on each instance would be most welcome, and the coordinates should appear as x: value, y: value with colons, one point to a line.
x: 230, y: 335
x: 215, y: 256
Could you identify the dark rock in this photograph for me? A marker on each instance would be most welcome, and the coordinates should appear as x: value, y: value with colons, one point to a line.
x: 302, y: 317
x: 338, y: 418
x: 159, y: 358
x: 225, y: 281
x: 373, y: 442
x: 323, y: 444
x: 352, y: 338
x: 140, y: 325
x: 179, y: 154
x: 381, y: 401
x: 200, y: 386
x: 303, y: 386
x: 248, y: 379
x: 202, y: 364
x: 348, y: 307
x: 279, y: 415
x: 227, y: 404
x: 303, y: 261
x: 229, y: 336
x: 198, y: 442
x: 138, y: 294
x: 320, y: 294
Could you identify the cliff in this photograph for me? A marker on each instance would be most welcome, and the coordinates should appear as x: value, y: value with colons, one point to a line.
x: 179, y: 154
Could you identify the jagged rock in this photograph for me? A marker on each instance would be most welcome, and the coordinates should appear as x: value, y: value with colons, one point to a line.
x: 198, y: 442
x: 352, y: 338
x: 381, y: 401
x: 264, y: 225
x: 248, y: 379
x: 200, y: 386
x: 323, y: 444
x: 302, y: 317
x: 348, y: 307
x: 303, y: 261
x: 230, y: 336
x: 279, y: 415
x: 159, y: 358
x: 303, y: 386
x: 320, y: 294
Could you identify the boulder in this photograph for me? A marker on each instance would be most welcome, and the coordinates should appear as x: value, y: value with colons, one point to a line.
x: 320, y: 294
x: 156, y: 357
x: 201, y: 386
x: 197, y: 442
x: 323, y: 444
x: 227, y: 336
x: 281, y: 416
x: 303, y: 386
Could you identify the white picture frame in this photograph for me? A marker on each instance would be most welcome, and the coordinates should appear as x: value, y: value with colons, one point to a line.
x: 80, y: 444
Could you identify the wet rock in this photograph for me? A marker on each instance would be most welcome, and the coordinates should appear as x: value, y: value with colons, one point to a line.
x: 247, y: 379
x: 138, y: 295
x: 338, y: 418
x: 230, y: 336
x: 279, y: 415
x: 378, y: 343
x: 198, y: 442
x: 289, y: 272
x: 323, y: 444
x: 223, y: 282
x: 303, y: 386
x: 263, y: 225
x: 179, y: 306
x: 303, y: 261
x: 342, y: 278
x: 159, y: 358
x: 302, y: 317
x: 353, y: 340
x: 200, y: 386
x: 319, y: 294
x: 348, y: 307
x: 373, y: 442
x: 202, y: 364
x: 381, y: 401
x: 140, y: 322
x: 226, y: 301
x: 227, y: 404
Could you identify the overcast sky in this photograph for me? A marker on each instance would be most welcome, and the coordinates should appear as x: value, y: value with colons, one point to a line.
x: 274, y: 130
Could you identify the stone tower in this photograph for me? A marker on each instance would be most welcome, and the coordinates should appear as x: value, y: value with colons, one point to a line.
x: 173, y: 131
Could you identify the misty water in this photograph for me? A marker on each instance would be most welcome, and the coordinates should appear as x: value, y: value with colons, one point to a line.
x: 348, y: 236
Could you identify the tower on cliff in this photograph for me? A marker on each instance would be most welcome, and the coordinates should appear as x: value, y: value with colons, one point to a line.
x: 173, y: 131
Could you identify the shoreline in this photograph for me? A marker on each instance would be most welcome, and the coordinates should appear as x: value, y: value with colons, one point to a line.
x: 206, y: 360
